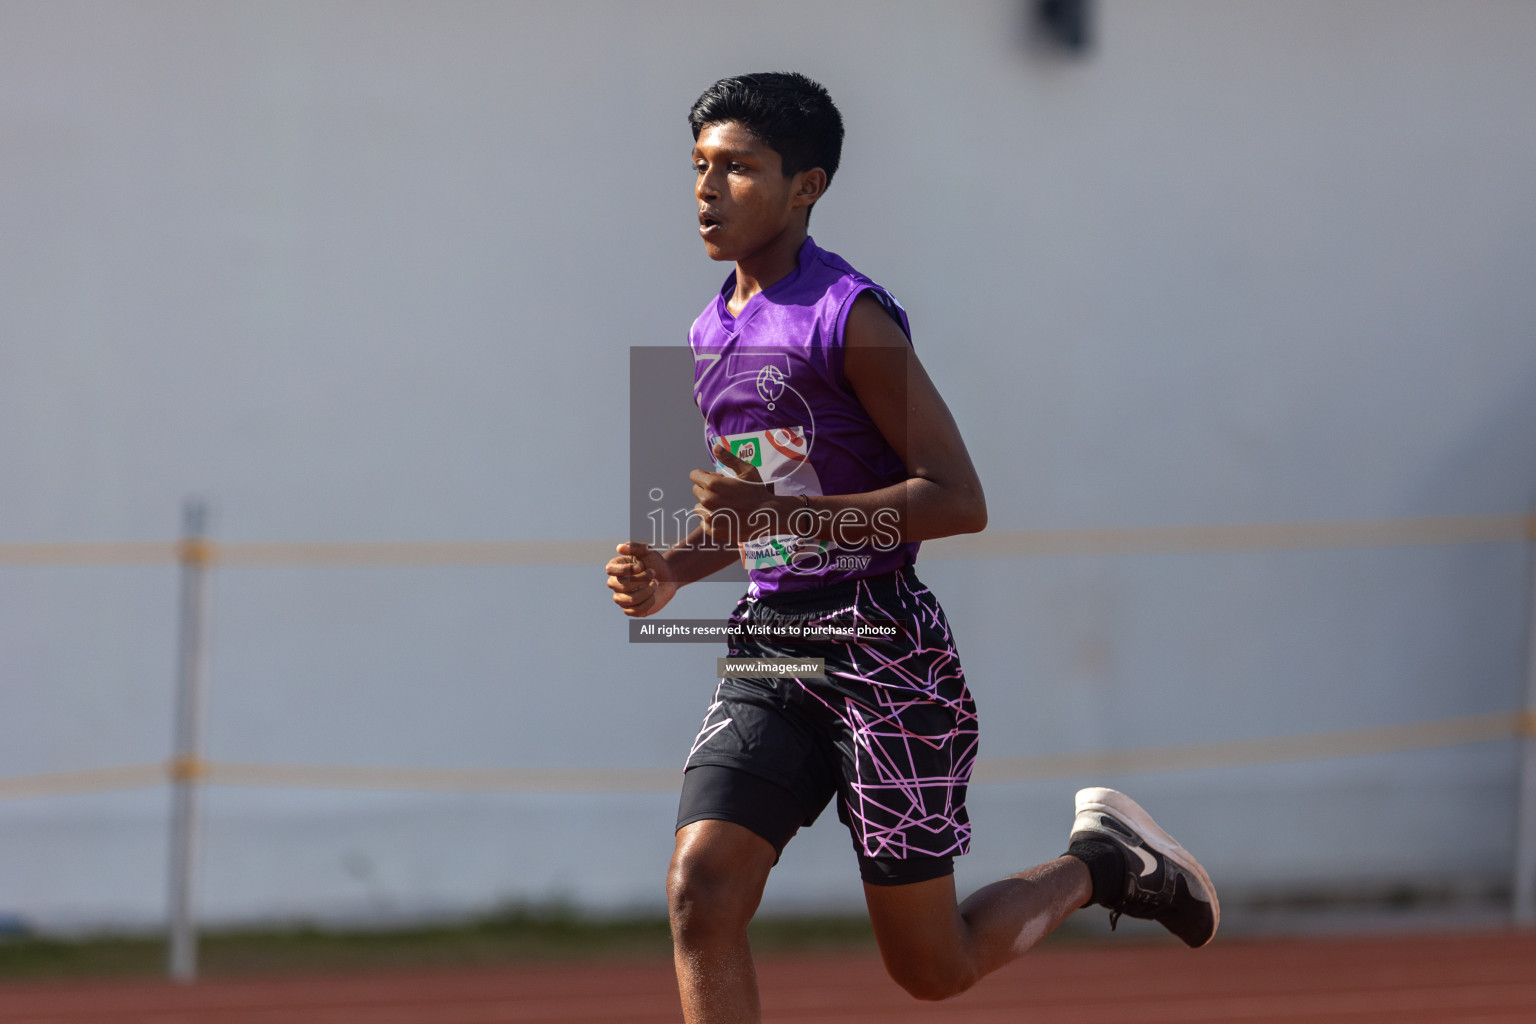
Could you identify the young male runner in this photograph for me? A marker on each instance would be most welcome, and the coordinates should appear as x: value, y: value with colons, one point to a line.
x: 835, y: 457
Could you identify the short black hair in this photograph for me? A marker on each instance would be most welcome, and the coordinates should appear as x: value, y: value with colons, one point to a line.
x: 792, y: 114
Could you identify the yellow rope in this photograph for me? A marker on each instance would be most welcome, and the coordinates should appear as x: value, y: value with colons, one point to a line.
x: 186, y: 769
x: 454, y: 780
x: 1229, y: 538
x: 126, y: 553
x: 1384, y: 739
x: 1239, y: 537
x: 89, y: 780
x: 418, y: 553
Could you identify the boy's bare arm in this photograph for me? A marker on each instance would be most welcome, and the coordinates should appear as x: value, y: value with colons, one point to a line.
x: 942, y: 495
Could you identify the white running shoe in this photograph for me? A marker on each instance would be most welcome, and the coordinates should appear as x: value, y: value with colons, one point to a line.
x: 1163, y: 882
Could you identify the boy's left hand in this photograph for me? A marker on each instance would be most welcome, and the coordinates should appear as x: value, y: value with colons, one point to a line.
x: 726, y: 503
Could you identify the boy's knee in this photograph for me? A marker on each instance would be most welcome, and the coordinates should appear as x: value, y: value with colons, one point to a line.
x: 931, y: 982
x: 710, y: 890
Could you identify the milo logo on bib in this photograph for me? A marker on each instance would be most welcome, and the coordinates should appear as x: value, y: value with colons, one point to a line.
x: 779, y: 455
x: 748, y: 450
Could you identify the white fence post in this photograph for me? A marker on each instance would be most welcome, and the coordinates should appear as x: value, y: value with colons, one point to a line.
x: 1525, y: 812
x: 187, y: 767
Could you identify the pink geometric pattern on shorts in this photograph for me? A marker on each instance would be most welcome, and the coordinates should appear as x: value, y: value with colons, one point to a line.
x: 916, y: 736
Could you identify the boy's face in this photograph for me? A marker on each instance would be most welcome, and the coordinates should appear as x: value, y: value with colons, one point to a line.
x: 745, y: 201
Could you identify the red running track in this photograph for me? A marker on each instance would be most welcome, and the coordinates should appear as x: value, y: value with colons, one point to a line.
x: 1471, y: 979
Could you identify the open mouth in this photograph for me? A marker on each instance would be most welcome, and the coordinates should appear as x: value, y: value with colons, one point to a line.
x: 708, y: 222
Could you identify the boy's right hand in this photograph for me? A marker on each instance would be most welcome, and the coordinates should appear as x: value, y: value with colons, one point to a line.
x: 640, y: 579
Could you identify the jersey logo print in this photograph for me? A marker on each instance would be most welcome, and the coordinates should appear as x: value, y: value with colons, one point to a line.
x: 770, y: 384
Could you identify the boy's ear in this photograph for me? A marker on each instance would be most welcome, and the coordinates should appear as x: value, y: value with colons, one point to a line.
x: 809, y: 186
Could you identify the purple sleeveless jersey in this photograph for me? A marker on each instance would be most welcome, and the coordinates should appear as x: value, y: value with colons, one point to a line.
x: 770, y: 382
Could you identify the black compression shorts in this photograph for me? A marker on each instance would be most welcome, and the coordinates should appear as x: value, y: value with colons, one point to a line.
x: 890, y: 731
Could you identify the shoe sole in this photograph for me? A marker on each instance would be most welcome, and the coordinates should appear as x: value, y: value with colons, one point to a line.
x: 1116, y: 803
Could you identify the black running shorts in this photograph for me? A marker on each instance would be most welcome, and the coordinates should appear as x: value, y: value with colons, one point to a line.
x: 890, y: 731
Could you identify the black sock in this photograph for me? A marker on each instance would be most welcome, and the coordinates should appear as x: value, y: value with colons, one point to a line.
x: 1106, y: 867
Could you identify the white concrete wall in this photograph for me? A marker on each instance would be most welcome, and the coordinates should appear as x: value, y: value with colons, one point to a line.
x: 370, y: 271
